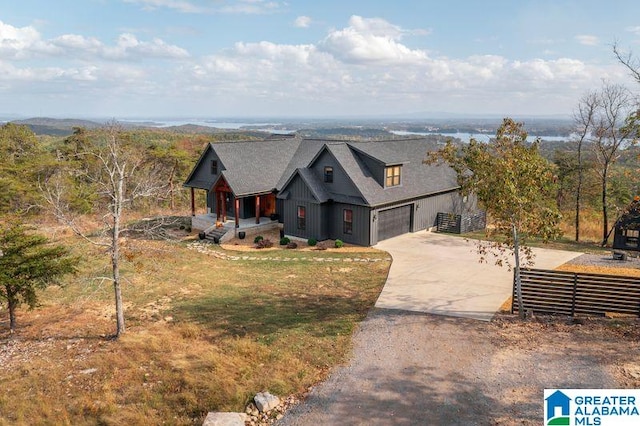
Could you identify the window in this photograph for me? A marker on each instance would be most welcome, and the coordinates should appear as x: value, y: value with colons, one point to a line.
x: 392, y: 176
x: 302, y: 221
x: 214, y: 167
x: 347, y: 221
x: 328, y: 174
x: 632, y: 237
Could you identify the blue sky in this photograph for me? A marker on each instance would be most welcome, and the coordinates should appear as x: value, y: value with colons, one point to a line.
x: 266, y: 58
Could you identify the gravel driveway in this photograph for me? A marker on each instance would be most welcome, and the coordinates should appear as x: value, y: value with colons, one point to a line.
x: 422, y: 369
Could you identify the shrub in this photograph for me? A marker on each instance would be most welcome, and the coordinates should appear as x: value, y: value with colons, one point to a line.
x: 292, y: 245
x: 257, y: 239
x: 339, y: 244
x: 264, y: 243
x: 284, y: 241
x: 321, y: 246
x: 312, y: 242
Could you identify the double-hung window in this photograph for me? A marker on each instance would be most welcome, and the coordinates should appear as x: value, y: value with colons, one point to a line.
x: 302, y: 217
x: 347, y: 221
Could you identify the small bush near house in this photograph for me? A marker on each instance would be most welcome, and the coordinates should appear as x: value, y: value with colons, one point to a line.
x: 321, y: 246
x: 312, y: 242
x: 284, y: 241
x: 339, y: 244
x: 264, y: 243
x: 292, y: 245
x: 257, y: 239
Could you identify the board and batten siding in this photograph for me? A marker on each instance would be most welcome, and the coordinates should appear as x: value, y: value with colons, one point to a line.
x: 360, y: 223
x: 341, y: 184
x: 313, y: 219
x: 426, y: 209
x: 300, y: 195
x: 203, y: 172
x: 424, y: 212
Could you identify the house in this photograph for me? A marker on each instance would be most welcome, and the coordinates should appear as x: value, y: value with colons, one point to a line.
x: 627, y: 228
x: 558, y: 400
x: 359, y: 192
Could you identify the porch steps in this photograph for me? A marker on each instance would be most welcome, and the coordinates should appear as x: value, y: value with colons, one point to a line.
x: 215, y: 234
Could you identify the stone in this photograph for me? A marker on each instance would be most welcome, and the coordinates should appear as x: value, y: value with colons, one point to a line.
x: 225, y: 419
x: 265, y: 401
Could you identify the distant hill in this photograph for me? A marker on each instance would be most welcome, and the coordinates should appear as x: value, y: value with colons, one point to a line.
x: 56, y: 126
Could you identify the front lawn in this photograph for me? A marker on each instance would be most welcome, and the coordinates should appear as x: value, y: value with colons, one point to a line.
x: 204, y: 334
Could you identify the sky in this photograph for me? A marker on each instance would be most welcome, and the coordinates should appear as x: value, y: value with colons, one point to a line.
x: 315, y: 58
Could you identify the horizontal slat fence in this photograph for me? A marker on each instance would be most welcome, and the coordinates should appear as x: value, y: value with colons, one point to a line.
x: 460, y: 224
x: 569, y: 293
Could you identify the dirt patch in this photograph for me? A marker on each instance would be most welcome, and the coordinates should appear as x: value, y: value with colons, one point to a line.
x: 410, y: 368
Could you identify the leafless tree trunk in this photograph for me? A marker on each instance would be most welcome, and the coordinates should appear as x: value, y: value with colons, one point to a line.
x: 610, y: 135
x: 583, y: 118
x: 119, y: 178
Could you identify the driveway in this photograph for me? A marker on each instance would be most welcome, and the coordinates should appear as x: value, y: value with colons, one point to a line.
x: 441, y: 274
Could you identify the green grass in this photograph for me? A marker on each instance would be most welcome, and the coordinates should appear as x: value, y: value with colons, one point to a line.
x: 204, y: 334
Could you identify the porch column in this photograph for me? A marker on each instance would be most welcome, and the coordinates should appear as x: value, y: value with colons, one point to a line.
x: 237, y: 212
x: 257, y: 209
x: 218, y: 206
x: 224, y: 206
x: 193, y: 202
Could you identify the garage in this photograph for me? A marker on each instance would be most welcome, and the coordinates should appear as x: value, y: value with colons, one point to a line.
x: 394, y: 222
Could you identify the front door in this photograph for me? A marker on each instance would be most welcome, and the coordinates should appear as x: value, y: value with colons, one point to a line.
x: 267, y: 205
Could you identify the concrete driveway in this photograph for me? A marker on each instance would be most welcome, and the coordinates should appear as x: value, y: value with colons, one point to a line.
x: 441, y: 274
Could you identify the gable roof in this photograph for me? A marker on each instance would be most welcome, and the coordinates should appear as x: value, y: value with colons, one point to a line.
x: 253, y: 167
x: 249, y: 167
x: 417, y: 179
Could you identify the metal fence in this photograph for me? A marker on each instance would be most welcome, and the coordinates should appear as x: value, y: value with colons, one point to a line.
x: 460, y: 224
x: 569, y: 293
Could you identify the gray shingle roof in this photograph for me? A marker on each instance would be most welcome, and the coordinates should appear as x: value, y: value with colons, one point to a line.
x: 251, y: 167
x: 418, y: 179
x: 260, y: 166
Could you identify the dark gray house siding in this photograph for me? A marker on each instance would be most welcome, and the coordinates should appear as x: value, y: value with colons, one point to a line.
x: 426, y: 209
x: 359, y: 226
x: 421, y: 214
x: 300, y: 195
x: 313, y: 218
x: 341, y: 182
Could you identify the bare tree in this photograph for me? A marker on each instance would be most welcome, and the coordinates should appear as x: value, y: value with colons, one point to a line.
x: 120, y: 175
x: 628, y: 60
x: 584, y: 119
x: 610, y: 133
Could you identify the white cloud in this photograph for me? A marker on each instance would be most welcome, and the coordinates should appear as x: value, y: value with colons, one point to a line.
x: 365, y: 67
x: 302, y: 22
x: 27, y: 42
x: 370, y: 40
x: 635, y: 30
x: 128, y: 46
x: 179, y: 5
x: 587, y: 40
x: 221, y: 6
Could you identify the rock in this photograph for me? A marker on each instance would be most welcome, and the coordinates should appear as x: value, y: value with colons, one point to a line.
x: 224, y: 419
x: 265, y: 401
x: 88, y: 371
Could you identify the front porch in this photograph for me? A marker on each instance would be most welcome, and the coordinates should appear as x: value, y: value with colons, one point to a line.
x: 207, y: 223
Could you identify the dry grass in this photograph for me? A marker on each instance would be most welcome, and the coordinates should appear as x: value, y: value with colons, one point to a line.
x: 203, y: 334
x: 605, y: 270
